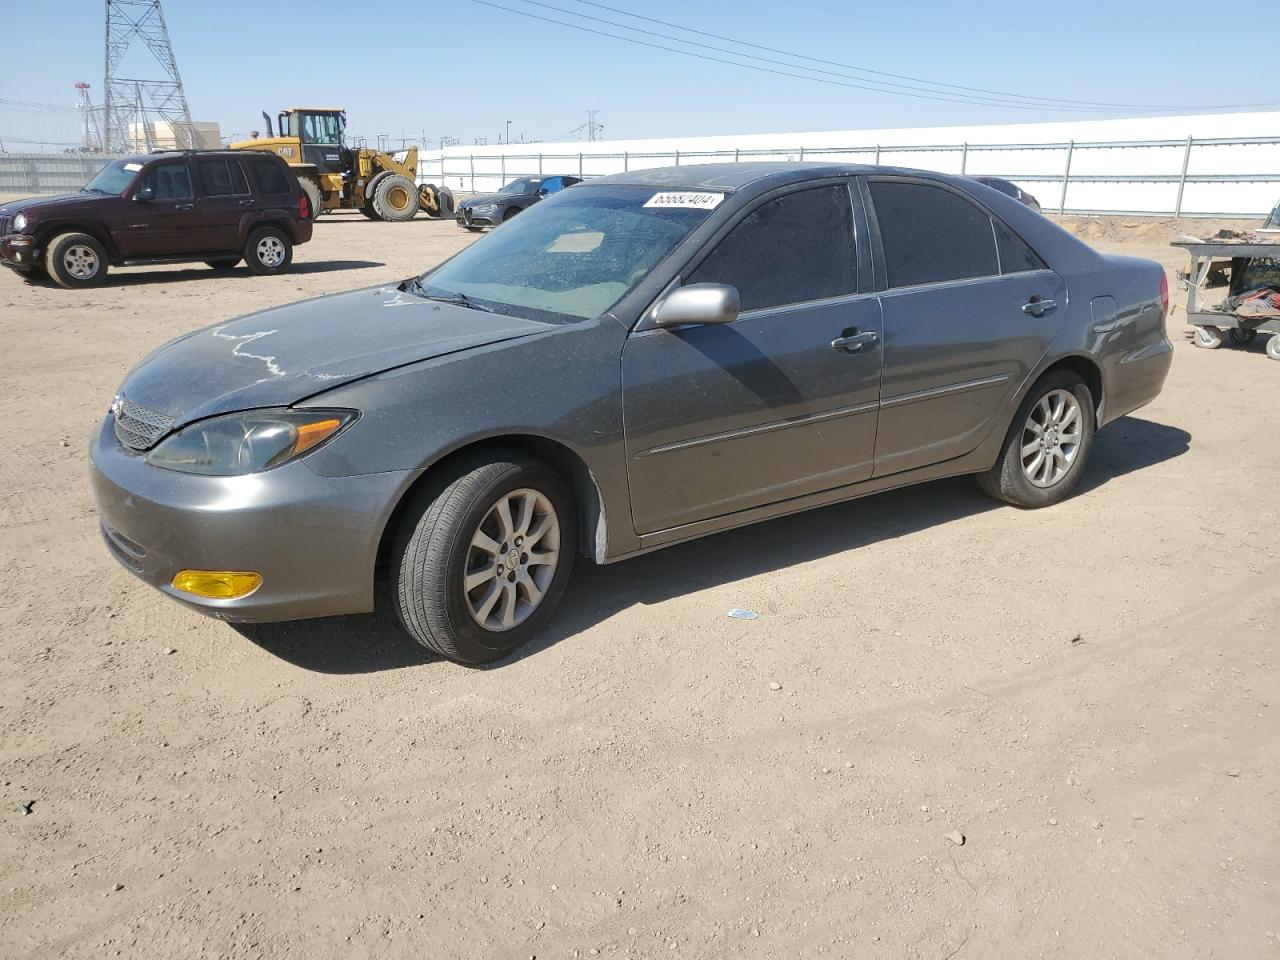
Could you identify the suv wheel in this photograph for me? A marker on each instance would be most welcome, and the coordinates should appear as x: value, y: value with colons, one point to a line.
x: 482, y: 557
x: 223, y: 263
x: 76, y: 260
x: 1047, y: 446
x: 268, y: 251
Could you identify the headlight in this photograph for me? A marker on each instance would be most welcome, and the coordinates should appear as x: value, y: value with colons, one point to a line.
x: 20, y: 222
x: 250, y: 442
x: 484, y: 208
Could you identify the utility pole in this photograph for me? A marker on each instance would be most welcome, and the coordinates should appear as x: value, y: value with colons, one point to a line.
x: 507, y: 138
x: 128, y: 100
x: 592, y: 127
x: 92, y: 137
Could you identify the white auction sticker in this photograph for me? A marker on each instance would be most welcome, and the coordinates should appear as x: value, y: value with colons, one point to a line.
x: 686, y: 200
x: 133, y: 167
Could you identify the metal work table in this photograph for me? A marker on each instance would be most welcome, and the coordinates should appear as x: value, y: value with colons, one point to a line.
x: 1210, y: 324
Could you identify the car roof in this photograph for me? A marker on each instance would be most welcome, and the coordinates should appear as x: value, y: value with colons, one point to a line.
x: 176, y: 154
x: 735, y: 176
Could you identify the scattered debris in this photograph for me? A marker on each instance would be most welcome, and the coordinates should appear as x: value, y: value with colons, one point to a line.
x: 27, y: 808
x: 1233, y: 772
x: 1077, y: 640
x: 169, y: 650
x: 775, y: 686
x: 1053, y: 821
x: 740, y: 614
x: 118, y: 887
x: 956, y: 837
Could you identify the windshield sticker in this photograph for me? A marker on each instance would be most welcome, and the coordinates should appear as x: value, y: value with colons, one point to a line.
x: 133, y: 167
x: 685, y: 200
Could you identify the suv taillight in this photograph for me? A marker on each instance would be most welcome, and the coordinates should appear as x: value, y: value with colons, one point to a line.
x: 304, y: 207
x: 1164, y: 292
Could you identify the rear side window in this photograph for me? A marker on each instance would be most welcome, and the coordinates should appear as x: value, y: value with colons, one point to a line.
x: 1015, y: 255
x: 931, y: 235
x: 271, y: 179
x: 223, y: 178
x: 796, y: 248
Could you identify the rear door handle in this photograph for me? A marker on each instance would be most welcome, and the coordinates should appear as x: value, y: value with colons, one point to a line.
x: 247, y: 203
x: 1037, y: 307
x: 184, y: 206
x: 854, y: 341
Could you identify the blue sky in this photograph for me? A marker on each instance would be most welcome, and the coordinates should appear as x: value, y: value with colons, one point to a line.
x: 459, y: 68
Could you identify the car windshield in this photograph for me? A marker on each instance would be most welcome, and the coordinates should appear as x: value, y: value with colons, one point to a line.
x: 522, y: 185
x: 114, y: 177
x: 569, y: 258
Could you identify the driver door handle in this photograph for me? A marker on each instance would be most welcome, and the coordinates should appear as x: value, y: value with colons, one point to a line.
x: 1037, y: 307
x: 854, y: 341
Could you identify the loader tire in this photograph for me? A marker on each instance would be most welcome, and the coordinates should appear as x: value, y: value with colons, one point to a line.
x: 395, y: 198
x: 315, y: 199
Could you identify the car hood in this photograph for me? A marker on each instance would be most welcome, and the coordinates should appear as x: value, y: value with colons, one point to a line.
x: 14, y: 207
x: 286, y: 354
x: 482, y: 199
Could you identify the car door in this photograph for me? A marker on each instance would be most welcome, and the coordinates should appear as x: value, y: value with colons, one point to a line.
x: 164, y: 220
x: 227, y: 198
x: 724, y: 417
x: 969, y: 310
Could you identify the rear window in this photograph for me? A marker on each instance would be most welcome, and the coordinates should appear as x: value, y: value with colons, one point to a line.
x: 931, y: 235
x: 223, y: 178
x: 270, y: 178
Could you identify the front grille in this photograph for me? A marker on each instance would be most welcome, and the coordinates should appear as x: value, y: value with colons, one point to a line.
x: 4, y: 225
x: 466, y: 213
x: 137, y: 427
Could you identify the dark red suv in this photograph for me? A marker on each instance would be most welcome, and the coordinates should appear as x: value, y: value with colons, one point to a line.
x: 213, y: 206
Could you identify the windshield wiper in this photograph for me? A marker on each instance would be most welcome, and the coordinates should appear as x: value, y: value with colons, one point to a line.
x: 460, y: 299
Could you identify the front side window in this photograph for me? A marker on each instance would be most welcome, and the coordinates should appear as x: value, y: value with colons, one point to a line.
x: 320, y: 128
x: 569, y: 258
x: 552, y: 184
x: 796, y: 248
x: 169, y: 181
x: 523, y: 185
x: 931, y: 235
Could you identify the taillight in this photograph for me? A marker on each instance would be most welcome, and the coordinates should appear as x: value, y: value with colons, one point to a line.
x: 304, y: 207
x: 1164, y: 292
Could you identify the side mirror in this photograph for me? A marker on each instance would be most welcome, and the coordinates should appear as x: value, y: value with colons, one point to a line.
x: 543, y: 191
x: 698, y: 303
x: 144, y: 194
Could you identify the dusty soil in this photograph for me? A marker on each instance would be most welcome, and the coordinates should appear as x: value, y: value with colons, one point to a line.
x: 1088, y: 693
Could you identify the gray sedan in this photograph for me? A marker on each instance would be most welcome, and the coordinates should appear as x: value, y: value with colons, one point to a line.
x: 638, y: 361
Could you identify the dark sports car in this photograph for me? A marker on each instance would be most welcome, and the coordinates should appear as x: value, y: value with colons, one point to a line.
x: 491, y: 209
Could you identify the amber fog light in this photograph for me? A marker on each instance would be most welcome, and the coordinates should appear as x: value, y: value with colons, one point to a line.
x: 217, y: 584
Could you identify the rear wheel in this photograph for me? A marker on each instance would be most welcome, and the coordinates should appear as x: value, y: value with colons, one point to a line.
x: 1242, y: 337
x: 395, y: 198
x: 483, y: 556
x: 268, y: 251
x: 315, y: 199
x: 223, y: 263
x: 75, y: 261
x: 1047, y: 446
x: 510, y: 213
x: 1208, y: 338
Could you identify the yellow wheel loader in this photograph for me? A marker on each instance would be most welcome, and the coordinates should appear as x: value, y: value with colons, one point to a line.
x: 336, y: 177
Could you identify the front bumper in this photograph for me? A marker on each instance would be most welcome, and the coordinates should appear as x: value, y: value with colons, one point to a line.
x: 467, y: 219
x: 313, y: 539
x: 19, y: 251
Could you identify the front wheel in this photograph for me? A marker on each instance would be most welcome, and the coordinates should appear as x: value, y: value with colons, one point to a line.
x: 1208, y: 338
x: 1273, y: 347
x: 1047, y: 446
x: 395, y: 198
x: 223, y: 263
x: 268, y: 251
x: 483, y: 556
x: 75, y: 261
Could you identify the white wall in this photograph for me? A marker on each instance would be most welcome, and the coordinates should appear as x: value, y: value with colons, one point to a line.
x: 493, y: 165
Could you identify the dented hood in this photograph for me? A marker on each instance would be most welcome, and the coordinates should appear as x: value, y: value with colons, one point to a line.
x: 286, y: 354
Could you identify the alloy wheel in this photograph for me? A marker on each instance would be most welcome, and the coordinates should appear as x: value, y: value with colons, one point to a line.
x: 270, y: 252
x: 511, y: 559
x: 1051, y: 438
x: 80, y: 261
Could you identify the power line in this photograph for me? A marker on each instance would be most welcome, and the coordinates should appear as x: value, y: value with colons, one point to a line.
x: 898, y: 76
x: 751, y: 66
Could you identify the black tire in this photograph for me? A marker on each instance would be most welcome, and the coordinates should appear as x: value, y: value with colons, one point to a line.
x: 448, y: 207
x: 473, y: 229
x: 395, y: 198
x: 511, y: 212
x: 433, y: 545
x: 268, y: 252
x: 431, y: 191
x: 369, y: 212
x: 223, y: 263
x: 315, y: 199
x: 76, y: 261
x: 1008, y: 480
x: 1242, y: 337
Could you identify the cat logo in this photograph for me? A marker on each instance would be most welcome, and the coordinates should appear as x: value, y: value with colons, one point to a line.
x: 285, y: 151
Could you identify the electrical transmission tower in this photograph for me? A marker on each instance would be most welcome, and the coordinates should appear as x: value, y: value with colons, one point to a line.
x: 92, y: 138
x: 593, y: 128
x: 133, y: 24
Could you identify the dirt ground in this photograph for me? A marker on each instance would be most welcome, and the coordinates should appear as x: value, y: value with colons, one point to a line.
x: 1088, y: 693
